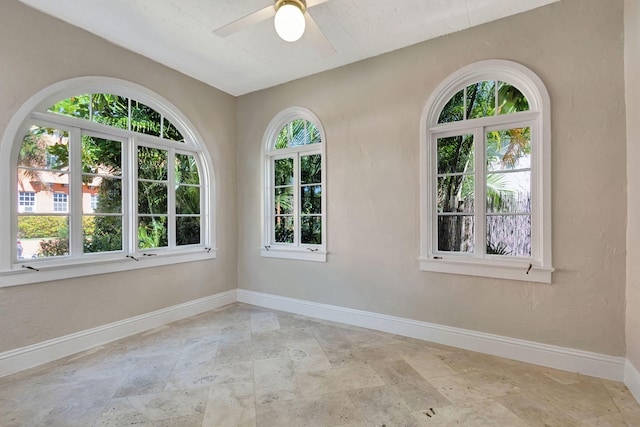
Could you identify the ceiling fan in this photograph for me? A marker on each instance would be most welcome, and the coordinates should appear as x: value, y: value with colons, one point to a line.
x: 292, y: 19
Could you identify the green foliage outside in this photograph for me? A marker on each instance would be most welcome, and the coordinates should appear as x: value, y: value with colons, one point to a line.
x: 456, y: 160
x: 37, y: 227
x: 103, y: 232
x: 113, y: 110
x: 295, y: 133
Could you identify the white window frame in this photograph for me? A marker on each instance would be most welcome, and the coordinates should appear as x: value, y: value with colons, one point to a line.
x: 297, y: 251
x: 60, y: 206
x: 538, y: 267
x: 17, y: 272
x: 23, y: 203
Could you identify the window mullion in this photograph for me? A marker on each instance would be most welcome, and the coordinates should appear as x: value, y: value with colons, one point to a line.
x: 131, y: 214
x: 171, y: 199
x: 296, y: 200
x: 74, y: 206
x: 480, y: 193
x: 126, y: 183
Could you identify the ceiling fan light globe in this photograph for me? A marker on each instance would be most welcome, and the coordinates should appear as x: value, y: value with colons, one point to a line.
x: 289, y: 22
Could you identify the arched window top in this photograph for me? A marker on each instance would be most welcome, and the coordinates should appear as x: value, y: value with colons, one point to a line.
x: 119, y: 111
x: 483, y: 99
x: 486, y: 89
x: 293, y: 128
x: 297, y: 132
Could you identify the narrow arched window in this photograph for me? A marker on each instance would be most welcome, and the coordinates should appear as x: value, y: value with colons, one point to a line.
x: 486, y: 174
x: 294, y: 223
x: 104, y: 171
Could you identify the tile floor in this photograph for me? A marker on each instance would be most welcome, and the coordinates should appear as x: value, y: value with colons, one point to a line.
x: 247, y: 366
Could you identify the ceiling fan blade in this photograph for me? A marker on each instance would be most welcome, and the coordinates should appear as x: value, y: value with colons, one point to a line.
x: 311, y: 3
x: 246, y: 21
x: 316, y: 37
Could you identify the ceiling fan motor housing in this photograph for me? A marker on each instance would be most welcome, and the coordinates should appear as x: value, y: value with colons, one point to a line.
x: 300, y: 4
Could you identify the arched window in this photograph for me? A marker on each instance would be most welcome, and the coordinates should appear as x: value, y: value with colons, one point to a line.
x: 485, y: 174
x: 294, y: 222
x: 105, y: 176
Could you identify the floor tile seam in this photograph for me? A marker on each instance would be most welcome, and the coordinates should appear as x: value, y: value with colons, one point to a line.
x: 525, y: 422
x: 358, y: 409
x: 560, y: 408
x: 620, y: 409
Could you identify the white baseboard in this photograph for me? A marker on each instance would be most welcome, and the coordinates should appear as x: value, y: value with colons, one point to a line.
x: 588, y: 363
x: 37, y: 354
x: 632, y: 379
x: 584, y: 362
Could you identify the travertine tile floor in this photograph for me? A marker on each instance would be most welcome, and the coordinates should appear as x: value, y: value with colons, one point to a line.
x: 246, y: 366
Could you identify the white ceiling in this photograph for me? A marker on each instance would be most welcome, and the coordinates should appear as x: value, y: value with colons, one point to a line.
x: 179, y: 33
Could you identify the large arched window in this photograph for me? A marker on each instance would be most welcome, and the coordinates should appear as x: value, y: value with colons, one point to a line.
x: 294, y: 221
x: 485, y: 174
x: 104, y: 175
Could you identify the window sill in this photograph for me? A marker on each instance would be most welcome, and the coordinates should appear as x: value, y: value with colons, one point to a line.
x: 301, y: 254
x: 80, y: 268
x: 514, y: 270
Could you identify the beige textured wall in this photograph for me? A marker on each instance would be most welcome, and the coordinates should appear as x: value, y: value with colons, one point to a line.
x: 632, y: 71
x: 36, y: 51
x: 371, y: 111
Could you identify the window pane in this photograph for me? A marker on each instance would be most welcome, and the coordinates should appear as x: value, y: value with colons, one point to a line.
x: 186, y: 169
x: 509, y: 192
x: 455, y: 154
x: 102, y: 233
x: 311, y: 230
x: 456, y: 193
x: 509, y: 149
x: 311, y: 169
x: 44, y: 148
x: 152, y: 232
x: 76, y: 106
x: 101, y: 156
x: 105, y: 196
x: 510, y: 99
x: 152, y: 163
x: 311, y: 199
x: 454, y: 110
x: 26, y: 200
x: 111, y: 110
x: 297, y: 132
x: 144, y: 119
x: 455, y: 233
x: 283, y: 171
x: 481, y: 99
x: 152, y: 198
x: 187, y: 230
x: 43, y: 236
x: 60, y: 202
x: 509, y: 235
x: 169, y: 131
x: 283, y: 229
x: 283, y: 201
x: 187, y: 199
